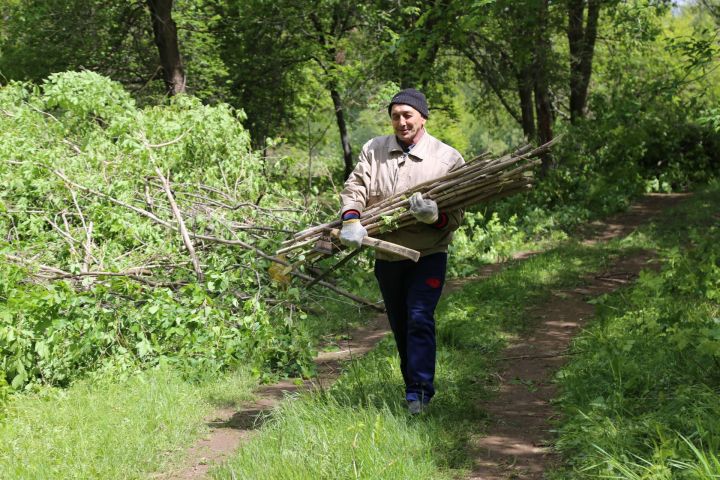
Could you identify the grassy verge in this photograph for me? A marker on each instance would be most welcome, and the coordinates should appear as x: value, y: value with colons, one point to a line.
x: 72, y: 433
x: 360, y: 429
x: 642, y: 396
x: 109, y: 429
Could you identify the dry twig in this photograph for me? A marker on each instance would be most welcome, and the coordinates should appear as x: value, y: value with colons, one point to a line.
x: 181, y: 225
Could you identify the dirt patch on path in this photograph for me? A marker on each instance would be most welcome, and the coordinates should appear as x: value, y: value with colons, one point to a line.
x: 229, y: 428
x: 517, y: 445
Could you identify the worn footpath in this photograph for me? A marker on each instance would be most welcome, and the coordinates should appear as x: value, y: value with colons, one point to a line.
x: 517, y: 441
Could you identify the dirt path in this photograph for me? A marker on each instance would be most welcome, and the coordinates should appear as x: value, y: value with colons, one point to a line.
x: 229, y: 428
x: 517, y: 442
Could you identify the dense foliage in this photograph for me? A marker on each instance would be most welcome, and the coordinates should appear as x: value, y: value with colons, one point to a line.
x: 81, y: 133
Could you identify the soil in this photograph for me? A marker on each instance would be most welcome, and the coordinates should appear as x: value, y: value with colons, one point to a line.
x: 518, y: 437
x: 229, y: 428
x: 517, y: 442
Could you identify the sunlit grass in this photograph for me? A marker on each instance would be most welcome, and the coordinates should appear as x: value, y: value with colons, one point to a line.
x: 321, y: 438
x: 360, y: 427
x: 705, y: 465
x: 110, y: 429
x: 641, y: 397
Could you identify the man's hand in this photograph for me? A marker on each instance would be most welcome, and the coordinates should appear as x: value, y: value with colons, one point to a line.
x: 425, y: 211
x: 352, y: 233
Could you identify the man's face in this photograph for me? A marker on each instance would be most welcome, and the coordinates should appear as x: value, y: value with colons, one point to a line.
x: 407, y: 123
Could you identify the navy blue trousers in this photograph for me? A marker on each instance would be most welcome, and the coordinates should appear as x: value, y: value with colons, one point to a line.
x: 411, y: 292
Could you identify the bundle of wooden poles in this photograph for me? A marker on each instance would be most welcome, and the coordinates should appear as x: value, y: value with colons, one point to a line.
x: 480, y: 180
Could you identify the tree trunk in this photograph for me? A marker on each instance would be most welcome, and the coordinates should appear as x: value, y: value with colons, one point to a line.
x: 581, y: 41
x: 525, y: 94
x: 543, y: 107
x: 342, y: 127
x: 165, y: 33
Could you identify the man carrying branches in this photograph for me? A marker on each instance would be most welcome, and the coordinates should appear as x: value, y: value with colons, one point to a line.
x: 388, y: 165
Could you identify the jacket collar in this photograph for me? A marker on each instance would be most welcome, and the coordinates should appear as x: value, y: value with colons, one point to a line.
x: 419, y: 151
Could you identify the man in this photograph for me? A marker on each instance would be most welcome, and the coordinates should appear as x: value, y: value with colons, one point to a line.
x: 388, y: 165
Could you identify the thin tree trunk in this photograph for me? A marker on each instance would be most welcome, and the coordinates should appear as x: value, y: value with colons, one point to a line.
x: 591, y: 29
x: 525, y: 94
x: 581, y: 41
x: 543, y: 111
x: 165, y: 33
x: 543, y: 107
x: 486, y: 75
x: 342, y: 127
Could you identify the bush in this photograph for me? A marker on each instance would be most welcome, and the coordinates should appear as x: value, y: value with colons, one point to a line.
x: 87, y: 128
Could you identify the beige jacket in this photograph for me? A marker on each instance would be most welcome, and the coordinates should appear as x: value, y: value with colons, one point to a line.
x: 384, y: 169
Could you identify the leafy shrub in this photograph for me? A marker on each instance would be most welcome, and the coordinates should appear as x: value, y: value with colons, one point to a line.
x: 86, y: 94
x: 87, y: 128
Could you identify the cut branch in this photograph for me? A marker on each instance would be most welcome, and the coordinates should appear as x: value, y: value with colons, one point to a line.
x: 213, y: 239
x: 49, y: 273
x: 480, y: 180
x: 181, y: 225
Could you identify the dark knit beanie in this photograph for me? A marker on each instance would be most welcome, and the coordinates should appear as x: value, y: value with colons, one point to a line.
x: 411, y: 97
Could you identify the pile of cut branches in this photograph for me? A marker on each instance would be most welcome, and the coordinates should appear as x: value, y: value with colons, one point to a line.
x: 131, y: 236
x: 480, y: 180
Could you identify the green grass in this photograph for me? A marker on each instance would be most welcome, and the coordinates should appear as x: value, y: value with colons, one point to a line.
x: 110, y: 429
x: 641, y: 397
x: 360, y: 429
x: 337, y: 442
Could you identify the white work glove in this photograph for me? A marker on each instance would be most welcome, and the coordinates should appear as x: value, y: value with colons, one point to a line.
x: 425, y: 211
x: 352, y: 233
